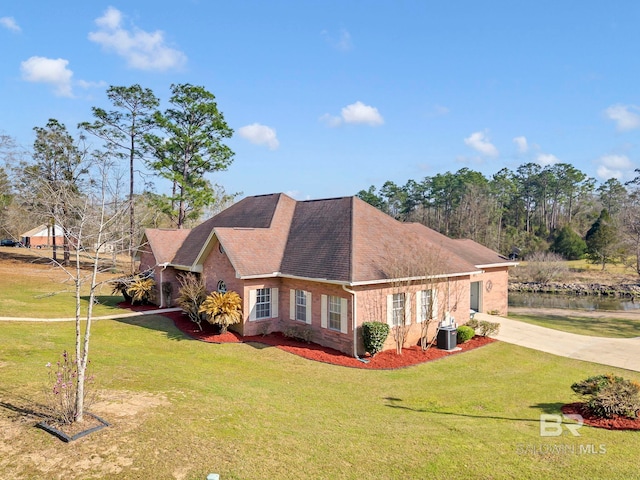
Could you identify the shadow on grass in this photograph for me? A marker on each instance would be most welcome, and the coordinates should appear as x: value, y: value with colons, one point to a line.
x: 554, y: 407
x: 258, y: 345
x: 25, y: 407
x: 395, y: 403
x: 105, y: 300
x: 158, y: 323
x: 596, y: 327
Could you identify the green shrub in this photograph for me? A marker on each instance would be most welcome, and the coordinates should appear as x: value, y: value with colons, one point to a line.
x: 473, y: 323
x: 374, y: 335
x: 607, y: 396
x: 298, y: 333
x: 465, y: 333
x: 486, y: 328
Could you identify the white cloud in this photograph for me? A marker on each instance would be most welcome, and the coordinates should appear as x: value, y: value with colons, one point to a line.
x: 10, y: 24
x: 480, y: 142
x: 330, y: 120
x: 360, y: 113
x: 260, y: 135
x: 142, y: 50
x: 51, y: 71
x: 545, y: 159
x: 86, y: 84
x: 614, y: 166
x: 625, y: 116
x: 523, y: 145
x: 356, y: 113
x: 342, y: 42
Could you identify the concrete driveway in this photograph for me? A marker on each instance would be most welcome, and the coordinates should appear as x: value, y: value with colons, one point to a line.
x: 615, y: 352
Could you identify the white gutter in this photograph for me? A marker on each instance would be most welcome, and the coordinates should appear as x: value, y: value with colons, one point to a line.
x: 505, y: 264
x: 354, y: 320
x: 163, y: 265
x: 410, y: 279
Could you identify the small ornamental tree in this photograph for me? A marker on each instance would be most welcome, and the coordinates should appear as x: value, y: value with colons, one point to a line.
x: 192, y: 293
x: 222, y: 309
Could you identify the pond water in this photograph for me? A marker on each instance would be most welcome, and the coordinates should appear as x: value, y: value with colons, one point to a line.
x: 589, y: 302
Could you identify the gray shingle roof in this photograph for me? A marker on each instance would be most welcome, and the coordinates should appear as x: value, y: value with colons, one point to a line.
x: 338, y: 239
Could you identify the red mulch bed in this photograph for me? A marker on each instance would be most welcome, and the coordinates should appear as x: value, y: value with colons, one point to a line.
x: 615, y: 423
x: 382, y: 361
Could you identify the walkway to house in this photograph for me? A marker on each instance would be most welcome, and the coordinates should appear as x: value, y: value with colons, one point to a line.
x: 115, y: 316
x: 615, y: 352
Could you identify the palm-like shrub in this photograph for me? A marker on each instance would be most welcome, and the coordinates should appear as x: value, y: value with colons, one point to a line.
x: 222, y: 309
x: 121, y: 285
x: 141, y: 289
x: 192, y: 293
x: 608, y: 395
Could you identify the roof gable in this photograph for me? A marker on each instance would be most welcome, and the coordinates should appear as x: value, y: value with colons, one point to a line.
x: 250, y: 212
x: 163, y: 243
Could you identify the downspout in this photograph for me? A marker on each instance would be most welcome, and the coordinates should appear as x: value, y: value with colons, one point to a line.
x: 354, y: 319
x: 163, y: 265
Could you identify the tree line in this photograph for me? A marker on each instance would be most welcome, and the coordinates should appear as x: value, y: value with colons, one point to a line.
x: 556, y: 208
x: 181, y: 145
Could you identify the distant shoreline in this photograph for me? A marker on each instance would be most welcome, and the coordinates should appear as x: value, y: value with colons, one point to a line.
x: 628, y: 290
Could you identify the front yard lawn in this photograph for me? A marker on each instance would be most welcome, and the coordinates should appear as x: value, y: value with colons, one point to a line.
x: 33, y: 287
x: 602, y: 326
x: 182, y: 408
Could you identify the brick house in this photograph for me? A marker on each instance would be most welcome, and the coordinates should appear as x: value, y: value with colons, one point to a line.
x: 328, y: 266
x: 43, y: 236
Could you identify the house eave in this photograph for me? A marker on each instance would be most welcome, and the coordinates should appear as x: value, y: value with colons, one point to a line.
x: 187, y: 268
x: 291, y: 277
x: 503, y: 264
x: 414, y: 279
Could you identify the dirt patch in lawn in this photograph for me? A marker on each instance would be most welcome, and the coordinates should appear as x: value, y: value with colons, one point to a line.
x: 106, y: 452
x: 615, y: 423
x: 413, y: 355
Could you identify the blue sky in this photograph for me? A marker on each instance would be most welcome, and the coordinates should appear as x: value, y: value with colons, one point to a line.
x: 329, y: 97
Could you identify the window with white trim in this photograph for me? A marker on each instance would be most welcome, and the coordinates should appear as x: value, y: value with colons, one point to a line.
x: 427, y: 307
x: 398, y: 309
x: 263, y: 303
x: 301, y: 305
x: 335, y: 313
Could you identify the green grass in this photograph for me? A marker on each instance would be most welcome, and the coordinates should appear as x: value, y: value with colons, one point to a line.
x: 248, y: 411
x: 597, y: 327
x: 44, y: 291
